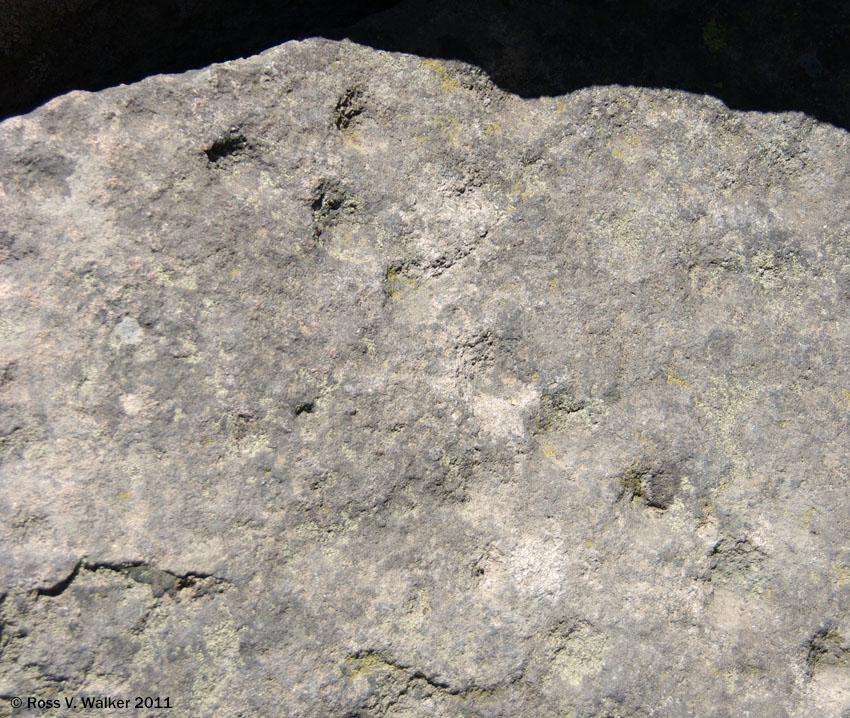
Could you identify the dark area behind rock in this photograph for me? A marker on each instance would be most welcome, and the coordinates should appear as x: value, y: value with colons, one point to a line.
x: 770, y: 56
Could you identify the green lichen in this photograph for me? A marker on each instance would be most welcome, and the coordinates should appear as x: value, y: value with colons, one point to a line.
x: 449, y: 128
x: 672, y: 378
x: 448, y: 82
x: 578, y: 653
x: 26, y: 441
x: 827, y: 647
x: 632, y: 483
x: 400, y: 279
x: 555, y: 412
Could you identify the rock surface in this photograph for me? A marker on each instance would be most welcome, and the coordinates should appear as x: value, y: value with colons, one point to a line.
x: 336, y: 382
x: 769, y: 56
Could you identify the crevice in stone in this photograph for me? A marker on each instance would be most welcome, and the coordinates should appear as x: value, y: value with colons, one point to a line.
x: 400, y: 679
x: 653, y: 486
x: 826, y: 647
x: 554, y: 412
x: 58, y: 588
x: 225, y: 146
x: 305, y: 407
x: 329, y: 204
x: 733, y: 557
x: 349, y: 106
x: 327, y: 197
x: 399, y: 278
x: 161, y: 582
x: 403, y: 275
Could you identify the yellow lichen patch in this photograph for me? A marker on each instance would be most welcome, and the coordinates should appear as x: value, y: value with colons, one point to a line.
x: 399, y: 283
x: 166, y: 277
x: 673, y: 379
x: 492, y: 129
x: 523, y: 189
x: 627, y: 237
x: 252, y: 445
x: 348, y: 244
x: 553, y: 285
x: 633, y: 482
x: 807, y: 517
x: 621, y: 145
x: 725, y: 402
x: 841, y: 573
x: 773, y: 270
x: 88, y: 383
x: 449, y: 127
x: 369, y: 665
x: 352, y: 138
x: 679, y: 517
x: 418, y: 612
x: 846, y: 394
x: 528, y: 184
x: 550, y: 452
x: 28, y: 440
x: 518, y: 189
x: 578, y: 654
x: 561, y: 107
x: 448, y: 83
x: 219, y: 657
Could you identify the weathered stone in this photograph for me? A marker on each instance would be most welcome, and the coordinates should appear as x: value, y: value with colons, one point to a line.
x: 335, y: 382
x: 773, y: 55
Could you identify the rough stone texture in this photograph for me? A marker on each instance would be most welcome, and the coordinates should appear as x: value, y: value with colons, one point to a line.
x: 48, y: 47
x: 340, y: 383
x: 771, y: 55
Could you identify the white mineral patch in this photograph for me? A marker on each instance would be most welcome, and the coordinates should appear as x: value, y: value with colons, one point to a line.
x: 129, y: 331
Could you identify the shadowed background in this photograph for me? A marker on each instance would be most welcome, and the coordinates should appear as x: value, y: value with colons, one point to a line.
x: 774, y: 55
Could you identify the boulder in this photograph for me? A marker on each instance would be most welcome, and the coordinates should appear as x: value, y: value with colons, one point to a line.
x: 338, y: 382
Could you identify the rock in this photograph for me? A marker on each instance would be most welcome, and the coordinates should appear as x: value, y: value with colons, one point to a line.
x: 336, y: 382
x: 48, y: 47
x: 775, y: 55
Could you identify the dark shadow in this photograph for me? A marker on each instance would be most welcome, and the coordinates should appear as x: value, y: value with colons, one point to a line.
x: 774, y: 55
x: 49, y: 47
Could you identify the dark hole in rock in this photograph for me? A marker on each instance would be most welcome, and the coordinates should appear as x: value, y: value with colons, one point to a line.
x: 305, y: 407
x: 225, y: 146
x: 654, y: 487
x: 349, y: 106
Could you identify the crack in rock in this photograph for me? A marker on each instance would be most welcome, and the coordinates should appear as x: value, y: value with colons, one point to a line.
x: 161, y: 582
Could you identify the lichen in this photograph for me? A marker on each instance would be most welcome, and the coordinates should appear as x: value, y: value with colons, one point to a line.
x: 448, y: 82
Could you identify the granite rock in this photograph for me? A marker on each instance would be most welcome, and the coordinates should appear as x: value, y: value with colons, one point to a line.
x: 337, y: 382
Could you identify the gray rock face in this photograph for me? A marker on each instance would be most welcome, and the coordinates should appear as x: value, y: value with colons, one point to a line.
x: 339, y: 383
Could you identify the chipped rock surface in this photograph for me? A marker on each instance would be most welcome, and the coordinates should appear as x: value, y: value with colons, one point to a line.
x: 336, y: 382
